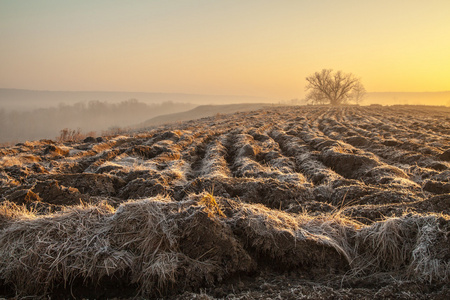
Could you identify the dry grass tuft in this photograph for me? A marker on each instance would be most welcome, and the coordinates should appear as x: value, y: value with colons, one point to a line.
x: 295, y: 240
x: 413, y: 245
x: 210, y: 202
x: 430, y: 256
x: 42, y: 251
x: 148, y: 229
x: 384, y: 243
x: 10, y: 212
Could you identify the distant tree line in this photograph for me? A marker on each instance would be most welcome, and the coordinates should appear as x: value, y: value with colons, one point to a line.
x: 97, y: 116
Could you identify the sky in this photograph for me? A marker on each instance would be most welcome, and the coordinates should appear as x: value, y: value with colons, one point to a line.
x: 245, y: 47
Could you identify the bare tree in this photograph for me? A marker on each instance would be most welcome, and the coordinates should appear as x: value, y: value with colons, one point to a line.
x: 358, y: 93
x: 333, y: 88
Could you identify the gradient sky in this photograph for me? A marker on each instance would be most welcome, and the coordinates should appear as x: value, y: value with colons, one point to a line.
x: 244, y: 47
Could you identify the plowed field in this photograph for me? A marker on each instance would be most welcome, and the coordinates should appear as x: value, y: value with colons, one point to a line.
x: 287, y: 202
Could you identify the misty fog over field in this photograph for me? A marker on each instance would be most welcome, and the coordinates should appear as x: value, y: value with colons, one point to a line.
x: 19, y: 99
x: 32, y: 115
x: 93, y: 116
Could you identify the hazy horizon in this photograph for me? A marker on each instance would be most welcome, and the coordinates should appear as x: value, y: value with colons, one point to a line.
x: 250, y: 48
x: 181, y: 93
x: 28, y: 100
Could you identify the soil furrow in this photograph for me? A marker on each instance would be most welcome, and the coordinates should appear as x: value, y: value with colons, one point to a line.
x: 286, y: 201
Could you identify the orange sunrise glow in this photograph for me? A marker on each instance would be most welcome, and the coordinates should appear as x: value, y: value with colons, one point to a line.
x: 258, y: 48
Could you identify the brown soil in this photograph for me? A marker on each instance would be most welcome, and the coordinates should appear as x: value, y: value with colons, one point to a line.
x: 288, y: 202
